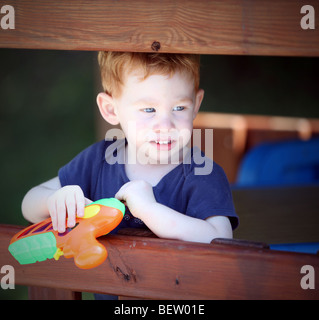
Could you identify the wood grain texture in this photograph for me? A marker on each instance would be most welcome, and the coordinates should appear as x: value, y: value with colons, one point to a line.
x: 278, y: 215
x: 241, y: 27
x: 166, y: 269
x: 41, y: 293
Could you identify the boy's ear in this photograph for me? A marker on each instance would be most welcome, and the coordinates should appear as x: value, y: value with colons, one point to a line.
x: 198, y: 100
x: 106, y: 107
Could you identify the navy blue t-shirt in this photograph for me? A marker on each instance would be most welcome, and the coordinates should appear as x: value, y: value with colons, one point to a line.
x: 199, y: 196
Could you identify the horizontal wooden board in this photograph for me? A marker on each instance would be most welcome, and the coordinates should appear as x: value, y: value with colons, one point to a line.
x: 241, y: 27
x: 278, y: 214
x: 165, y: 269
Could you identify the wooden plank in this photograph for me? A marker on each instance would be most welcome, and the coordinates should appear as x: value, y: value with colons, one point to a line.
x: 244, y: 27
x: 39, y: 293
x: 278, y: 214
x: 166, y: 269
x: 274, y: 128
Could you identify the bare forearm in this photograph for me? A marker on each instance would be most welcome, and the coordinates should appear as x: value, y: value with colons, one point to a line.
x: 34, y: 204
x: 168, y: 223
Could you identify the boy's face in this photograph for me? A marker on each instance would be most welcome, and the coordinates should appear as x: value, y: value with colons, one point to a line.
x: 157, y: 115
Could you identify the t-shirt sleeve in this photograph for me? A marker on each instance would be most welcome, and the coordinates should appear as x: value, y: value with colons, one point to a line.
x: 210, y: 195
x: 83, y: 170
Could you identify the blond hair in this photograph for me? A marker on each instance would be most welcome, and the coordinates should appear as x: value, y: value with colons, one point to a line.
x: 115, y: 65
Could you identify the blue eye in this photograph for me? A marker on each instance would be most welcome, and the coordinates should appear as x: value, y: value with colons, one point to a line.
x: 149, y: 110
x: 179, y: 108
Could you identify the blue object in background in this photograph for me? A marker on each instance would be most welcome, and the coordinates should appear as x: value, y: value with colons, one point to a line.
x: 281, y: 163
x: 310, y: 247
x: 294, y: 162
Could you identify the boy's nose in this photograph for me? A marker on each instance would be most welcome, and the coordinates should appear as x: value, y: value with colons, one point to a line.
x: 163, y: 122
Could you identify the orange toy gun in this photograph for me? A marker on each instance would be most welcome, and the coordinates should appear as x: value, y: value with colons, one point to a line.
x: 40, y: 242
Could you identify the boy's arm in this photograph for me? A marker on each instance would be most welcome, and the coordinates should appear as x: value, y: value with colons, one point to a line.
x: 168, y: 223
x: 34, y: 203
x: 50, y: 199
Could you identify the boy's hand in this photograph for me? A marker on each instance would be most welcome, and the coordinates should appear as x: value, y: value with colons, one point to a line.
x: 67, y: 202
x: 137, y: 194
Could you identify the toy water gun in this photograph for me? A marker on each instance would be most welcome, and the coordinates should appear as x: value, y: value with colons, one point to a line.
x: 40, y: 242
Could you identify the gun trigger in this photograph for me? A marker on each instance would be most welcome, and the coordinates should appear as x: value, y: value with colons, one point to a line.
x: 58, y: 254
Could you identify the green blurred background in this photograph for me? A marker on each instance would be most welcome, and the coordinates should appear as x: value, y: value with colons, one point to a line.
x: 48, y: 109
x: 46, y: 117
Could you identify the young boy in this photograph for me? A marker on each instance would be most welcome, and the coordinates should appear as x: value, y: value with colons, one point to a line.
x: 155, y: 98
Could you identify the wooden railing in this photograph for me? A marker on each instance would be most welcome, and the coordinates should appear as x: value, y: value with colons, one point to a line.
x: 152, y: 268
x: 264, y: 27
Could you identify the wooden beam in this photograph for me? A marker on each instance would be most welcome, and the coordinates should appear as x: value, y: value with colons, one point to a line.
x: 277, y: 214
x: 40, y: 293
x: 240, y: 27
x: 166, y: 269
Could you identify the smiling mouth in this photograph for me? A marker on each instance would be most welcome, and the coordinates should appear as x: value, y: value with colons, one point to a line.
x: 163, y: 144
